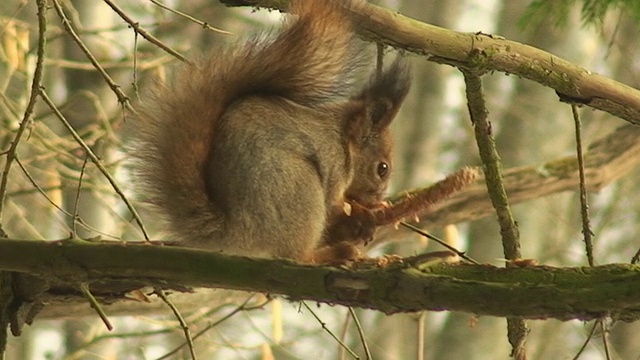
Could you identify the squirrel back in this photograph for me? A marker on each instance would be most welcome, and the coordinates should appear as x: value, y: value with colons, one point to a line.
x: 248, y: 151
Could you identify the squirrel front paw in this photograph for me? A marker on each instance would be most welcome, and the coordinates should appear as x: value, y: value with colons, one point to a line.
x: 354, y: 224
x: 336, y: 254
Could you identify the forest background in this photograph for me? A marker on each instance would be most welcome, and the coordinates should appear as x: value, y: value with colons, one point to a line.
x: 434, y: 138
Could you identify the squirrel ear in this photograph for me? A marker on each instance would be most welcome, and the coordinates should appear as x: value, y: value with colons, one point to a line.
x: 371, y: 112
x: 385, y: 92
x: 357, y: 122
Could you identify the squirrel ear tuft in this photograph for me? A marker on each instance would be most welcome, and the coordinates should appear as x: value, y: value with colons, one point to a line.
x: 371, y: 112
x: 384, y: 93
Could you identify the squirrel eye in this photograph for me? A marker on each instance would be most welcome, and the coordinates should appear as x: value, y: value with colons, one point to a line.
x: 383, y: 169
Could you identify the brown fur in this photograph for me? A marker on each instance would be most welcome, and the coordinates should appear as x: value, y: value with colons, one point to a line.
x: 373, y: 162
x: 249, y: 151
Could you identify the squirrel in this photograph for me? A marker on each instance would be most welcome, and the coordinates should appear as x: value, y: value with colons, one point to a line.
x: 255, y: 150
x: 373, y: 161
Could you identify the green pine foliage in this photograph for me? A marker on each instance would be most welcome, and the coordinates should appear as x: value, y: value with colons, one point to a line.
x: 592, y: 12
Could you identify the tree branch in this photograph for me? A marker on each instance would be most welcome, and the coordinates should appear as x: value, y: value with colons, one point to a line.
x: 530, y: 292
x: 606, y: 160
x: 516, y: 327
x: 484, y: 52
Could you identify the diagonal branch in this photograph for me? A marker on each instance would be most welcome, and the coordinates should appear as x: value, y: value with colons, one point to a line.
x: 35, y: 89
x: 605, y: 160
x: 491, y: 53
x: 494, y: 53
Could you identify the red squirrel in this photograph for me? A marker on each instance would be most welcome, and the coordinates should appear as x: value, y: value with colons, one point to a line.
x: 255, y: 150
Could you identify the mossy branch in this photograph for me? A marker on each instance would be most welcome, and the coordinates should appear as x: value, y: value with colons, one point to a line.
x: 535, y: 292
x: 487, y: 52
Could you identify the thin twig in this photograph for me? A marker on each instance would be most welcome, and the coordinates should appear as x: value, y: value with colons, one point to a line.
x: 584, y: 213
x: 126, y: 336
x: 584, y: 201
x: 84, y: 288
x: 324, y: 326
x: 363, y: 339
x: 43, y: 192
x: 76, y: 203
x: 605, y: 338
x: 205, y: 25
x: 636, y: 257
x: 95, y: 160
x: 33, y: 96
x: 342, y: 353
x: 134, y: 81
x: 183, y: 323
x: 439, y: 241
x: 587, y: 340
x: 39, y: 188
x: 241, y: 307
x: 115, y: 65
x: 138, y: 29
x: 614, y: 34
x: 122, y: 97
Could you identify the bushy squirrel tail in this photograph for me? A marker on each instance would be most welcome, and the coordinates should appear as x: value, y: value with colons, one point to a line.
x: 312, y: 60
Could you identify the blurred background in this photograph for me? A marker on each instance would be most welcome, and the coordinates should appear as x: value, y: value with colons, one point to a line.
x: 433, y: 136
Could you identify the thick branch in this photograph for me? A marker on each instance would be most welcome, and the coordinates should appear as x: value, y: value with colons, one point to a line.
x: 532, y: 292
x: 492, y: 53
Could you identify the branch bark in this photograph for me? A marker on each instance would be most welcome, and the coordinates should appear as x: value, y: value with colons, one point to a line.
x: 517, y: 329
x: 484, y: 52
x: 534, y: 292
